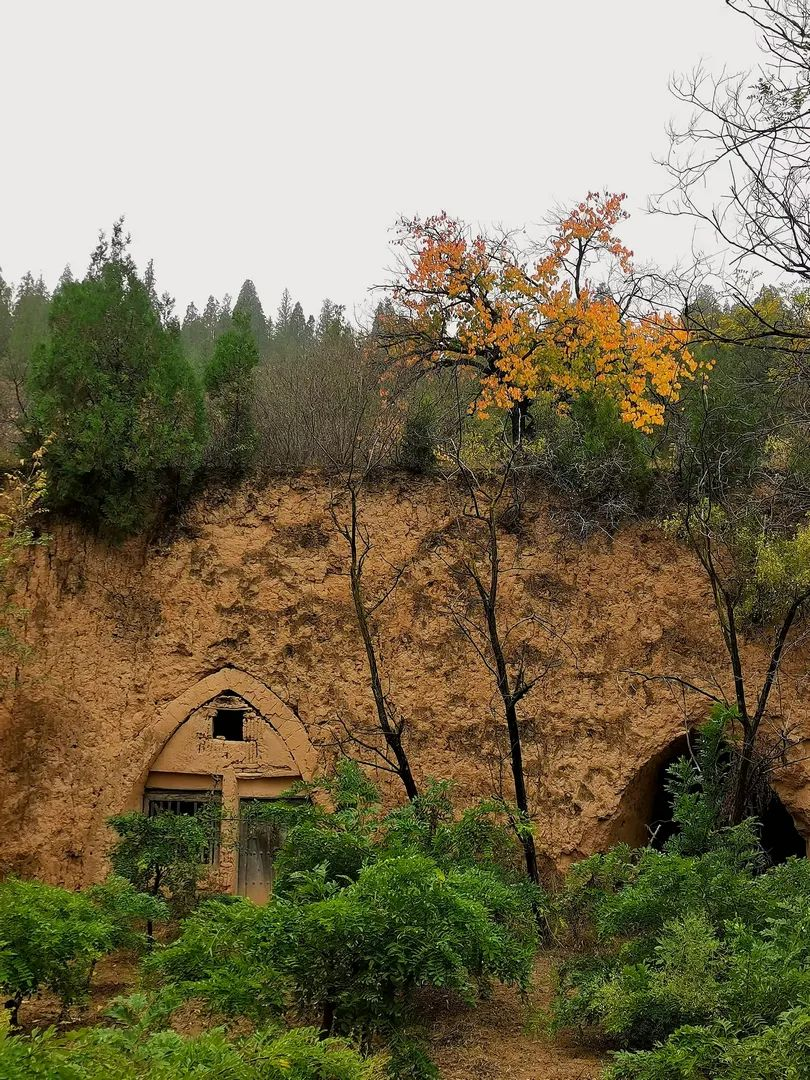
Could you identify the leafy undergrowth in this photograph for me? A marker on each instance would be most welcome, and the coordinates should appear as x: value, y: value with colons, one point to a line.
x: 694, y: 961
x: 490, y: 1042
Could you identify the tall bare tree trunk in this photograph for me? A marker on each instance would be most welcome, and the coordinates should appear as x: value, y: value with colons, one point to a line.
x: 390, y: 726
x: 392, y: 736
x: 510, y: 696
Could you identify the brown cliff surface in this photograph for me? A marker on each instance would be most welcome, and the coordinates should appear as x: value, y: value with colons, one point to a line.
x: 258, y: 581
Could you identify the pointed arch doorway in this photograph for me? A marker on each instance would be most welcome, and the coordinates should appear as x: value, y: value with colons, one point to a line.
x: 230, y: 741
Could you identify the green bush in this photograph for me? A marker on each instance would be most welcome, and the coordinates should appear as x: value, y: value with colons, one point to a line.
x: 477, y: 836
x: 132, y: 1054
x: 642, y: 929
x: 163, y: 855
x: 334, y: 841
x: 335, y: 844
x: 699, y: 786
x: 591, y: 453
x: 408, y: 1061
x: 420, y: 435
x: 729, y: 417
x: 368, y: 907
x: 694, y: 959
x: 718, y: 1052
x: 127, y: 910
x: 49, y: 938
x: 221, y: 957
x: 355, y: 957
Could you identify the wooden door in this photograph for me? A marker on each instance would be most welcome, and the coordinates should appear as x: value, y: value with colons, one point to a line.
x: 258, y: 843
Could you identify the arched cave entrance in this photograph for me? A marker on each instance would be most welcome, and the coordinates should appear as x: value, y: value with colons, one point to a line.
x: 231, y: 741
x: 660, y: 825
x: 645, y: 813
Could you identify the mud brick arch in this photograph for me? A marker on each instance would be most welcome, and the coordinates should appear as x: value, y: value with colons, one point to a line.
x: 273, y: 710
x: 228, y: 737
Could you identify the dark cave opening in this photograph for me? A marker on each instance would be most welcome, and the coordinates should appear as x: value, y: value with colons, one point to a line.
x: 660, y: 825
x: 778, y: 834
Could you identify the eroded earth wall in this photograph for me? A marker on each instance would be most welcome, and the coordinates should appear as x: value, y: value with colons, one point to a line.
x: 258, y: 581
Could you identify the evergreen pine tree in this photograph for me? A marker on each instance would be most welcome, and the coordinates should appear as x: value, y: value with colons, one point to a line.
x: 149, y: 282
x: 248, y: 301
x: 210, y: 330
x: 224, y: 312
x: 28, y: 329
x: 113, y: 389
x: 284, y: 313
x: 192, y: 335
x: 297, y: 329
x: 229, y: 380
x: 292, y: 331
x: 5, y: 315
x: 332, y: 326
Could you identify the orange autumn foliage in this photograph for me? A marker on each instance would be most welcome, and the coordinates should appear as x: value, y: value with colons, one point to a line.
x: 532, y: 326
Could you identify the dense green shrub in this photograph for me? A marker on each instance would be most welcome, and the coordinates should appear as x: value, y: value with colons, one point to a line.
x: 688, y: 940
x: 357, y: 831
x: 420, y: 437
x: 163, y: 855
x: 699, y: 785
x: 696, y: 958
x: 331, y: 825
x: 131, y: 1054
x: 407, y: 1060
x: 477, y: 836
x: 354, y: 956
x: 220, y: 957
x: 372, y: 906
x: 368, y: 907
x: 49, y: 938
x: 591, y: 453
x: 324, y: 843
x: 731, y: 415
x: 128, y: 910
x: 717, y: 1051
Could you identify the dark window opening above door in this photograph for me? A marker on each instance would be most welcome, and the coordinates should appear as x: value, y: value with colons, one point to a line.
x: 229, y: 724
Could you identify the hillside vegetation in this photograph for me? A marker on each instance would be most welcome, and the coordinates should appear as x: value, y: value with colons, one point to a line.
x: 495, y: 362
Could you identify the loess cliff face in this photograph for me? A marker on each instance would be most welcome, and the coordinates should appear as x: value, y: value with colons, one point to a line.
x: 258, y: 582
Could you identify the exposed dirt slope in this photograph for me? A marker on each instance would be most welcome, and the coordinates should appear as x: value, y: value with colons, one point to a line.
x: 258, y: 581
x: 496, y: 1042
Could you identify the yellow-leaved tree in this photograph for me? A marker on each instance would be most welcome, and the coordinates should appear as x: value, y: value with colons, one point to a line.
x: 532, y: 324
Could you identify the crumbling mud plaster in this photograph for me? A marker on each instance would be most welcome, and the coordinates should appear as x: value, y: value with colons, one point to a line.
x: 129, y: 646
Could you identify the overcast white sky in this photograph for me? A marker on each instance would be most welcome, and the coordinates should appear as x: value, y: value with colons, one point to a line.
x: 280, y: 141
